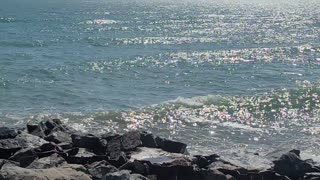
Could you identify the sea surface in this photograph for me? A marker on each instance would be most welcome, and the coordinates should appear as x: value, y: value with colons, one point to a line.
x: 226, y: 77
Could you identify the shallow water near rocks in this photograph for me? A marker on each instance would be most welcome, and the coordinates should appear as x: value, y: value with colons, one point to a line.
x: 224, y: 77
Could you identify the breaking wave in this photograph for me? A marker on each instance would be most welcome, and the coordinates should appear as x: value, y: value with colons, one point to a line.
x: 284, y: 108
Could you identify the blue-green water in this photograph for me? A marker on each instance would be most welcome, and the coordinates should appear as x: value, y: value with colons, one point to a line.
x: 214, y: 74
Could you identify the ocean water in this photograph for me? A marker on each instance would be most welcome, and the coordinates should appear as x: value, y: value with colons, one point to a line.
x: 225, y: 77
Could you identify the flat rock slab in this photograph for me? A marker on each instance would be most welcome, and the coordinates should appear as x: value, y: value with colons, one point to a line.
x: 54, y: 160
x: 17, y: 173
x: 24, y: 140
x: 154, y: 156
x: 123, y: 175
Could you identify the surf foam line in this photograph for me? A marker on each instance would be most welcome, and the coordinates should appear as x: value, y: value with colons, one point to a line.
x: 284, y: 108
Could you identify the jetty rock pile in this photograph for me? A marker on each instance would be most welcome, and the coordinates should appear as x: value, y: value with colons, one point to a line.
x: 54, y: 151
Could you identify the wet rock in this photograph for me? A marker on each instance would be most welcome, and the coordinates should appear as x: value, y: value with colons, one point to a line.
x: 85, y: 157
x: 138, y: 167
x: 110, y: 135
x: 101, y: 147
x: 51, y: 130
x: 171, y: 146
x: 212, y: 174
x: 26, y: 140
x: 131, y: 140
x: 48, y: 147
x: 99, y: 169
x: 6, y: 133
x: 227, y: 168
x: 65, y: 146
x: 54, y: 160
x: 23, y: 140
x: 59, y: 137
x: 204, y: 161
x: 88, y: 141
x: 68, y: 149
x: 117, y: 159
x: 114, y: 145
x: 17, y: 173
x: 123, y: 175
x: 44, y: 128
x: 72, y: 152
x: 291, y: 165
x: 7, y: 151
x: 148, y: 140
x: 31, y: 127
x: 24, y: 157
x: 176, y: 169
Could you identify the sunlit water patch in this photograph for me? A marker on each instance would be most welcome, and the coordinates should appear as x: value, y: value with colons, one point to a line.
x: 251, y: 124
x: 221, y: 76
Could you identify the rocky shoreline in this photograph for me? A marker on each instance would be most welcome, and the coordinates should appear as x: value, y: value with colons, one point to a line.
x: 54, y: 151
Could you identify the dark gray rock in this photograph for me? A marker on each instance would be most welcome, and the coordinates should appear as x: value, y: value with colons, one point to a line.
x: 108, y: 136
x: 138, y: 167
x: 6, y: 133
x: 174, y: 169
x: 114, y: 145
x: 123, y: 175
x: 291, y: 165
x: 68, y: 149
x: 65, y: 146
x: 120, y: 175
x: 99, y: 169
x: 85, y: 157
x: 148, y: 140
x: 228, y: 168
x: 24, y: 157
x: 204, y: 161
x: 171, y: 146
x: 59, y: 137
x: 117, y: 159
x: 44, y: 128
x: 101, y: 147
x: 51, y: 130
x: 54, y: 160
x: 48, y: 147
x: 212, y: 174
x: 23, y: 140
x: 131, y: 140
x: 88, y: 141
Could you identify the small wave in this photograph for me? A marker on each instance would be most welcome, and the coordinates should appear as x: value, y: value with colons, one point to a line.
x: 197, y: 101
x: 6, y: 20
x: 285, y: 108
x: 20, y: 44
x: 100, y: 21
